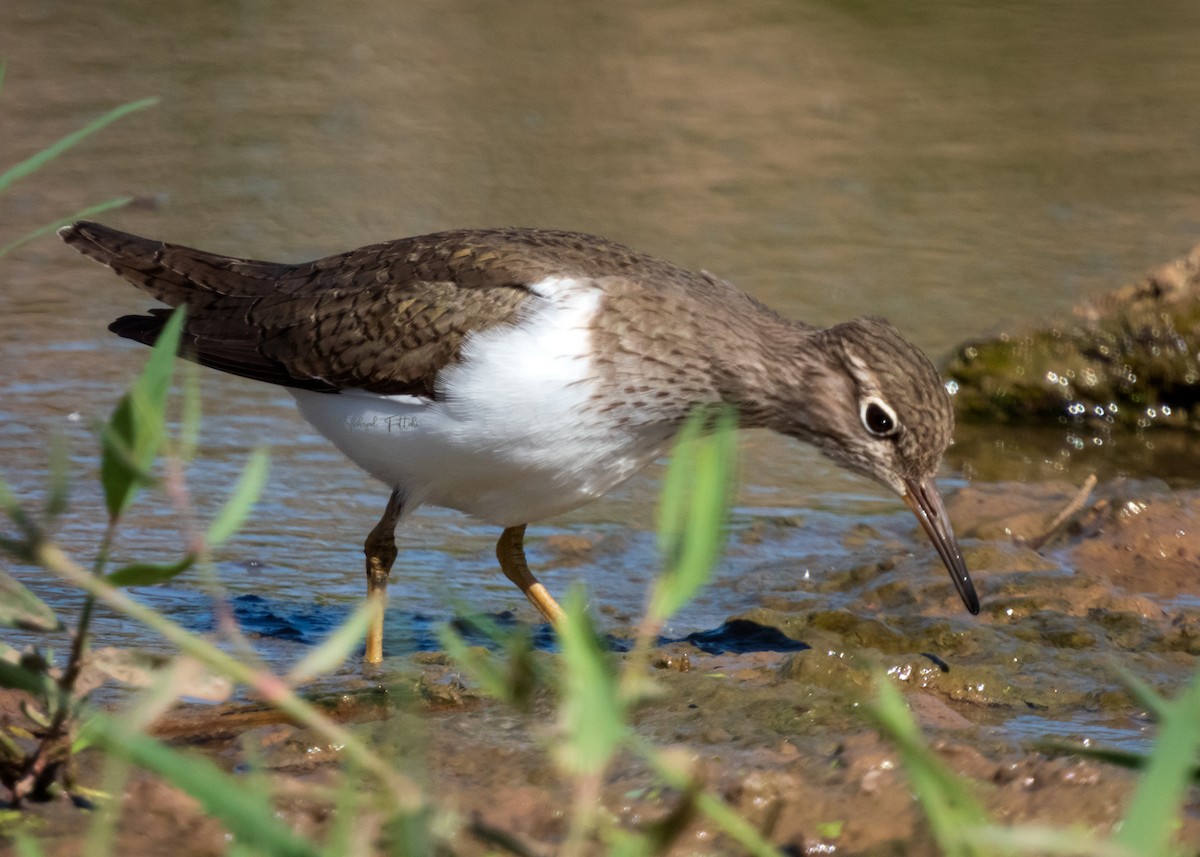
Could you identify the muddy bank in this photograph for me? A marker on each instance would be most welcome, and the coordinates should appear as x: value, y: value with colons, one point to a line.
x: 767, y: 711
x: 1128, y: 359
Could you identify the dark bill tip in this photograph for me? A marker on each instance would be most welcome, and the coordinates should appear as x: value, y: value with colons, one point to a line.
x: 926, y: 503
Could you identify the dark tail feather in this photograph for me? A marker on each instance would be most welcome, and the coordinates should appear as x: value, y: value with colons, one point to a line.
x: 141, y: 328
x: 108, y: 245
x: 236, y: 358
x: 171, y: 272
x: 219, y: 289
x: 138, y: 260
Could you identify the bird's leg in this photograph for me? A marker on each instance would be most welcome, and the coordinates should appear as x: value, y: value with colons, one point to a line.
x: 380, y: 549
x: 510, y: 550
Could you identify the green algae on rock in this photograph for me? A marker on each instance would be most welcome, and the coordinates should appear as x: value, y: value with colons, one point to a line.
x: 1129, y: 359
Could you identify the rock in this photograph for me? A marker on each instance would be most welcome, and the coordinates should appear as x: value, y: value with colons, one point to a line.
x: 1129, y: 359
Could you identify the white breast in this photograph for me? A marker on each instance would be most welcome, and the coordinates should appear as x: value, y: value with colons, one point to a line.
x: 515, y: 436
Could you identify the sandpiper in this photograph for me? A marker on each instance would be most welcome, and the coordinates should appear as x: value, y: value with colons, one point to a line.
x: 514, y: 374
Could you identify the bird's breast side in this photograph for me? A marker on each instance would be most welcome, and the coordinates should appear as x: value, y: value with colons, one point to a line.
x: 516, y: 434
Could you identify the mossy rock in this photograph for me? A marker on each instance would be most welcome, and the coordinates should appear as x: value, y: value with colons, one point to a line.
x: 1129, y: 359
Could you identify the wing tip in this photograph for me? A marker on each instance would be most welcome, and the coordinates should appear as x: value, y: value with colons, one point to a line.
x: 97, y: 241
x: 81, y: 230
x: 140, y: 328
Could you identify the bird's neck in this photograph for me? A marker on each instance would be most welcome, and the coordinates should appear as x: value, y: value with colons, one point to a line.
x: 710, y: 342
x: 779, y: 374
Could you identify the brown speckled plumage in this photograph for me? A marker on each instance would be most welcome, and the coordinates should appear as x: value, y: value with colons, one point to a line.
x: 390, y: 318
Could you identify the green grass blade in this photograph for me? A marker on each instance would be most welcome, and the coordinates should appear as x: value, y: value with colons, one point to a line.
x: 20, y: 608
x: 19, y: 678
x: 103, y: 828
x: 35, y: 162
x: 623, y: 843
x: 166, y: 686
x: 241, y: 500
x: 694, y: 509
x: 739, y: 828
x: 953, y: 813
x: 148, y: 573
x: 1153, y: 813
x: 1142, y: 693
x: 82, y: 214
x: 58, y: 490
x: 672, y: 504
x: 334, y: 650
x: 248, y: 814
x: 408, y: 833
x: 1042, y: 841
x: 480, y: 665
x: 8, y: 500
x: 27, y: 846
x: 30, y: 534
x: 137, y: 428
x: 121, y: 472
x: 398, y: 788
x: 511, y: 677
x: 1109, y: 755
x: 348, y: 808
x: 591, y: 713
x: 189, y: 416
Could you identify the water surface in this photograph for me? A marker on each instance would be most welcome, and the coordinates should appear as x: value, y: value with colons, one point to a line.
x: 948, y: 166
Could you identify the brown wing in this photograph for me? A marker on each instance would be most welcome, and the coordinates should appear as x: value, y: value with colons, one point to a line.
x: 384, y: 318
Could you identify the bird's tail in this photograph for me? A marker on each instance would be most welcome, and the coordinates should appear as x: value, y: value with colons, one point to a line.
x: 138, y: 260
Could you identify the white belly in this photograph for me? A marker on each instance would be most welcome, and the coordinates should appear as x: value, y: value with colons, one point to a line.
x: 514, y: 437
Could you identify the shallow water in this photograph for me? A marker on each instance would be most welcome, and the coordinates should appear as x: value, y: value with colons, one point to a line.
x: 948, y: 167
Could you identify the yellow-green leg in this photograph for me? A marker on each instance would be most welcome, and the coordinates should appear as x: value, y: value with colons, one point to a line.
x: 510, y: 550
x: 380, y: 549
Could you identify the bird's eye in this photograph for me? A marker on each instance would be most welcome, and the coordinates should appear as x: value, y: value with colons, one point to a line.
x: 879, y: 419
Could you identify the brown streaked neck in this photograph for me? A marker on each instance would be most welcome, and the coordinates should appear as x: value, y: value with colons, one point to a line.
x: 768, y: 368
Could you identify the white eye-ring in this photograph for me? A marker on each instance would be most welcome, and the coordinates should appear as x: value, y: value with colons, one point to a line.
x: 878, y: 417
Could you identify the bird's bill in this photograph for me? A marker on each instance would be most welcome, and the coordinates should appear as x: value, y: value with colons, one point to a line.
x: 926, y: 503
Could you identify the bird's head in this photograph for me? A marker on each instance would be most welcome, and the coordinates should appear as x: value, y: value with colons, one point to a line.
x: 877, y: 406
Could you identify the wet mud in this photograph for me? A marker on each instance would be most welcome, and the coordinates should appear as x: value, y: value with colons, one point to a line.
x: 1077, y: 585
